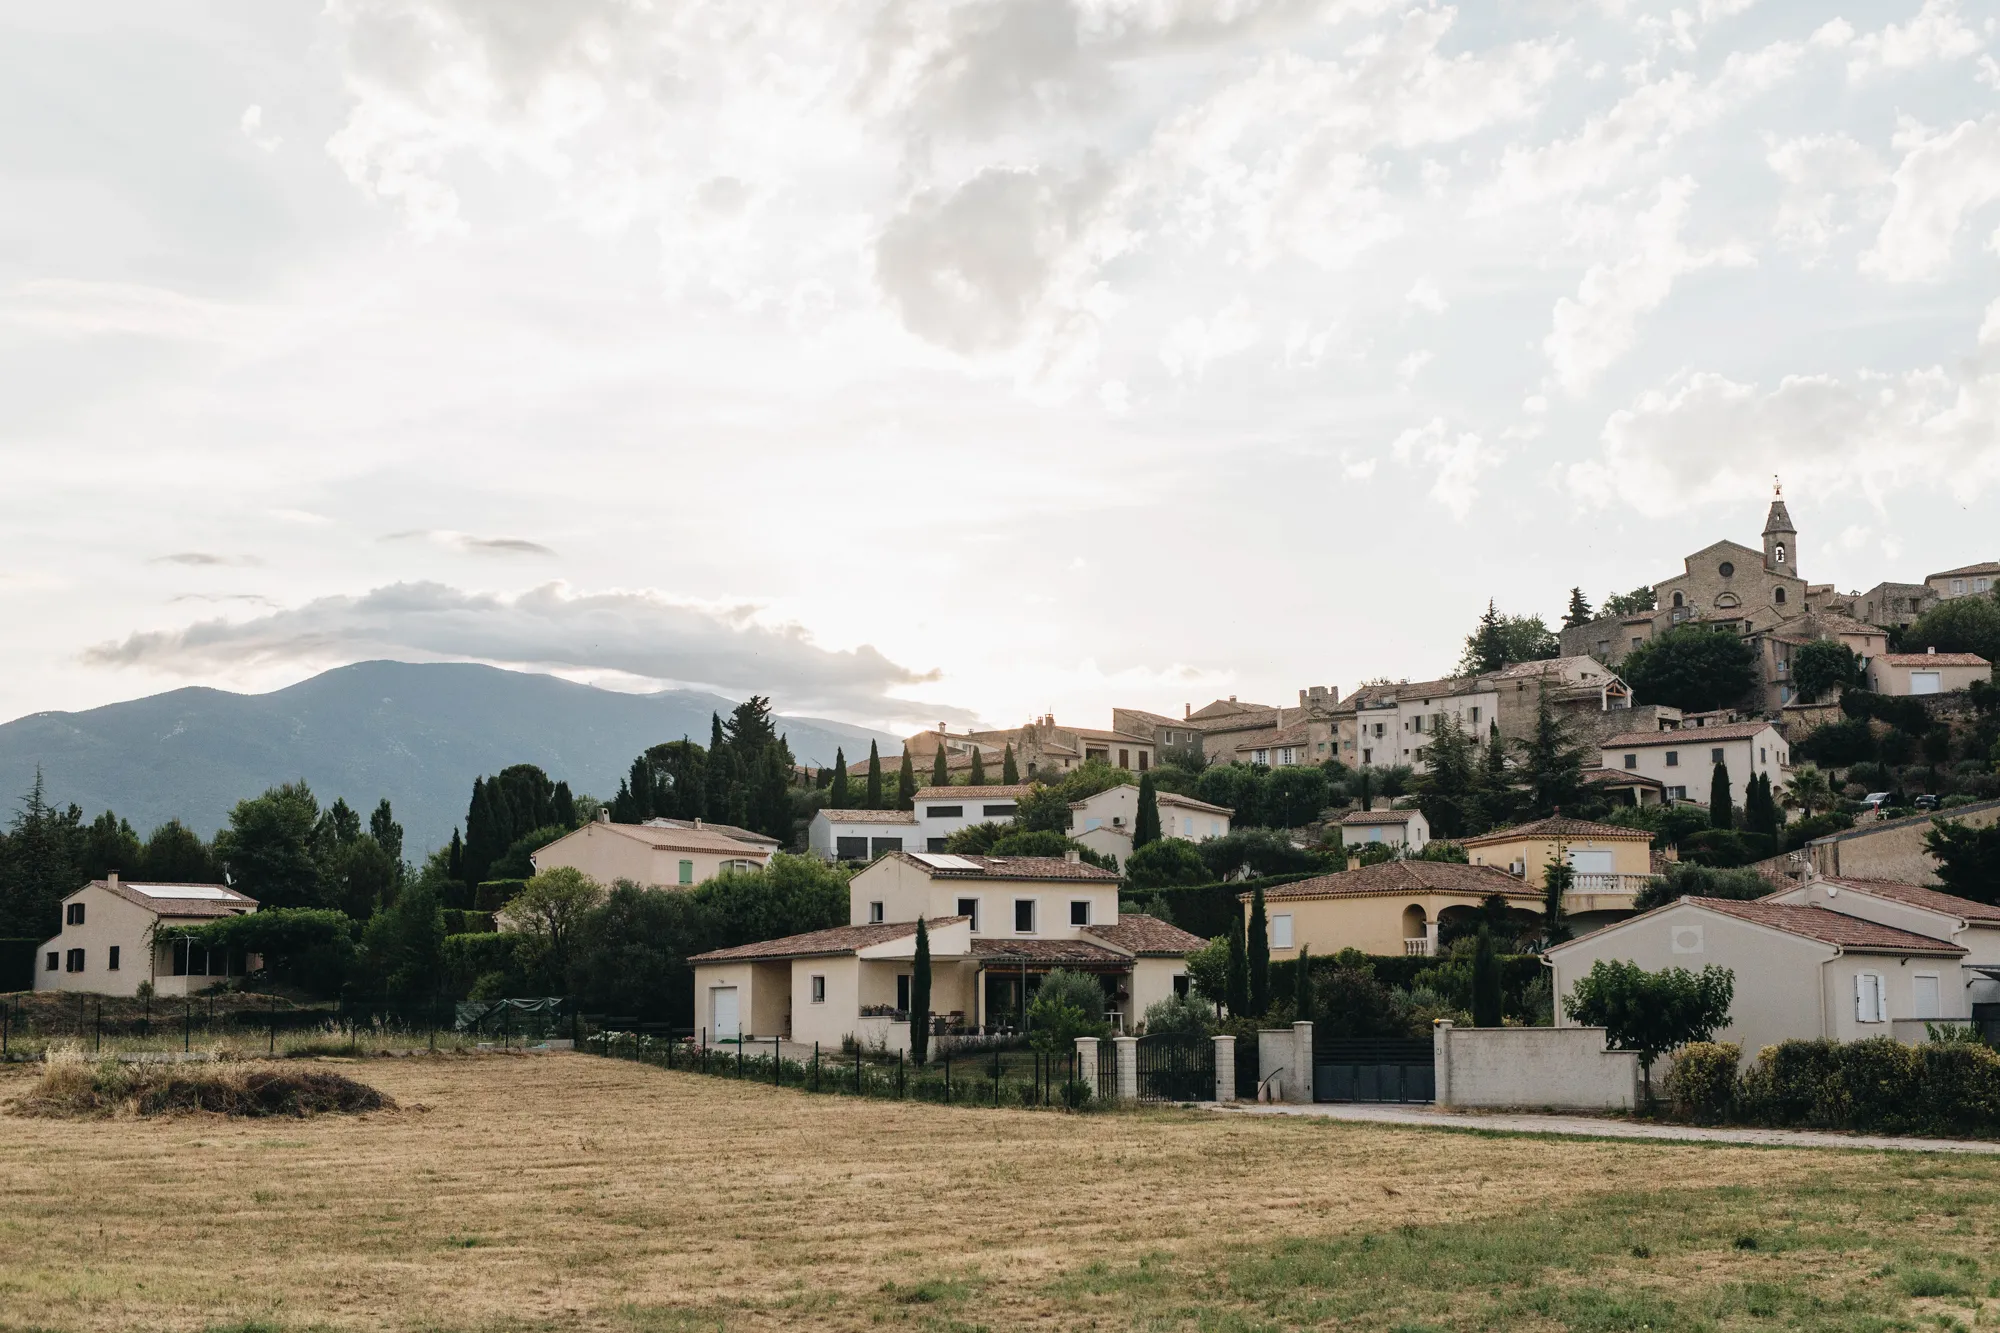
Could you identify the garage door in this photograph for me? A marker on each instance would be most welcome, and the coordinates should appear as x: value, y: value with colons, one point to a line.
x: 727, y: 1025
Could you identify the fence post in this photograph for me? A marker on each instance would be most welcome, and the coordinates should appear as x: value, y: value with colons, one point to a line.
x: 901, y: 1087
x: 857, y: 1069
x: 187, y: 1025
x: 1300, y: 1086
x: 777, y: 1063
x: 1225, y: 1069
x: 1125, y: 1050
x: 272, y: 1021
x: 1086, y: 1063
x: 947, y: 1078
x: 98, y: 1041
x: 815, y: 1066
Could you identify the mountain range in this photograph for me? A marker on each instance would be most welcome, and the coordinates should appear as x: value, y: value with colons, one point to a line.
x: 417, y: 733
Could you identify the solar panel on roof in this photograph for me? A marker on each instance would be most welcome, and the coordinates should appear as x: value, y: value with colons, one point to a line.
x: 944, y: 861
x: 204, y: 891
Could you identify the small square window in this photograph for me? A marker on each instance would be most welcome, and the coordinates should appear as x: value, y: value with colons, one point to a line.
x: 55, y: 961
x: 1024, y: 916
x: 1631, y: 761
x: 819, y: 990
x: 1673, y: 759
x: 1715, y: 756
x: 1079, y: 912
x: 875, y: 914
x: 1281, y: 931
x: 969, y: 907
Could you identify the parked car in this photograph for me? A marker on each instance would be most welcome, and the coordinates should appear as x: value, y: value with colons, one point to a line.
x: 1872, y: 803
x: 1928, y: 801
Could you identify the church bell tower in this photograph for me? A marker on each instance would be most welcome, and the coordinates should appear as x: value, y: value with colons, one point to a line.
x: 1781, y: 539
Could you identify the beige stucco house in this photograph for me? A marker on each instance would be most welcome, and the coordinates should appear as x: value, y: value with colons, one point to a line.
x: 1612, y: 864
x: 1927, y: 673
x: 1809, y: 963
x: 996, y: 925
x: 108, y: 942
x: 1399, y: 828
x: 1683, y: 761
x: 1391, y: 908
x: 1104, y: 822
x: 658, y: 855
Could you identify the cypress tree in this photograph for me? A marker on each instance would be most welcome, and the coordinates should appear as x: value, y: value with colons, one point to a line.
x: 906, y: 784
x: 1259, y: 944
x: 940, y: 773
x: 1719, y: 813
x: 1557, y: 880
x: 838, y: 799
x: 454, y: 863
x: 1760, y: 807
x: 1238, y: 976
x: 1486, y: 992
x: 481, y: 833
x: 1010, y: 773
x: 874, y: 777
x: 920, y: 997
x: 1302, y: 990
x: 978, y: 775
x: 715, y: 800
x: 564, y: 806
x: 1146, y: 828
x: 1364, y: 789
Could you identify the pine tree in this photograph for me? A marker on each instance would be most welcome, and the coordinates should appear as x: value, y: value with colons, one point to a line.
x: 1010, y: 773
x: 1259, y: 945
x: 1302, y: 990
x: 920, y: 997
x: 1238, y: 976
x: 838, y: 799
x: 1448, y: 792
x: 1579, y: 612
x: 1554, y: 767
x: 874, y: 801
x: 1146, y: 828
x: 1486, y: 990
x: 978, y: 776
x: 39, y: 869
x: 1498, y: 801
x: 906, y: 785
x: 1720, y: 814
x: 940, y: 774
x: 382, y: 826
x: 1486, y: 650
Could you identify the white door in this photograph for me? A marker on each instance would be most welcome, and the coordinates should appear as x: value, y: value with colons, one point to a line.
x: 1924, y: 682
x: 727, y: 1025
x: 1924, y: 995
x: 1590, y: 863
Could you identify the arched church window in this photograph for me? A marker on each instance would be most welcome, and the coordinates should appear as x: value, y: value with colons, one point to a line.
x: 1778, y: 596
x: 1678, y: 601
x: 1781, y: 553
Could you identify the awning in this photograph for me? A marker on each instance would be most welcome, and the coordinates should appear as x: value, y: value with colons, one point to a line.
x: 1991, y: 973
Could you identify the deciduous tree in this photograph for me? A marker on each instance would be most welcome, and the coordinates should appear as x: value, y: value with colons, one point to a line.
x: 1651, y: 1012
x: 1692, y: 668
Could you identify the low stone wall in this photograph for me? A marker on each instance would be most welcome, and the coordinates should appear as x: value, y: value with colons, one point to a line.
x: 1287, y: 1053
x: 1566, y: 1068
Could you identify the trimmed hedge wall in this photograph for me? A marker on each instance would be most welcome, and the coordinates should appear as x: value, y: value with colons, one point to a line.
x: 459, y: 922
x: 1204, y: 909
x: 1878, y: 1085
x: 494, y: 894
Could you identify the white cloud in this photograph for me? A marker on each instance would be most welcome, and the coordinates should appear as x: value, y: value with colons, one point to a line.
x: 252, y: 125
x: 1598, y: 326
x: 1194, y: 343
x: 1424, y: 294
x: 1943, y: 181
x: 1410, y: 366
x: 642, y: 634
x: 1934, y: 34
x: 470, y: 543
x: 1455, y: 461
x: 1824, y: 174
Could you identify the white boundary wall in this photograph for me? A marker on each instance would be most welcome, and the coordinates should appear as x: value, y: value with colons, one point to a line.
x: 1555, y: 1067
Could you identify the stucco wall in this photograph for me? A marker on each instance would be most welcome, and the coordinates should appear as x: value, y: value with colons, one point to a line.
x: 1892, y: 849
x: 1629, y: 856
x: 1152, y: 981
x: 1371, y: 924
x: 606, y: 856
x: 1891, y: 678
x: 107, y: 920
x: 1556, y: 1067
x: 763, y: 996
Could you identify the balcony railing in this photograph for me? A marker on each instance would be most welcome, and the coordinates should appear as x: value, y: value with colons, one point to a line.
x: 1608, y: 883
x: 1419, y: 947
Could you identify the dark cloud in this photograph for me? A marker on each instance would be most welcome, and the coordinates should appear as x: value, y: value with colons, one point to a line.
x: 548, y: 627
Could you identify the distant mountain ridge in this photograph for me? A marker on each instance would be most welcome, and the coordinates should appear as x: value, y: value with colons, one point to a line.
x: 417, y: 733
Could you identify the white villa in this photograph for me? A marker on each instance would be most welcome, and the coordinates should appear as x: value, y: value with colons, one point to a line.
x: 996, y: 926
x: 108, y: 942
x: 863, y: 835
x: 1104, y: 822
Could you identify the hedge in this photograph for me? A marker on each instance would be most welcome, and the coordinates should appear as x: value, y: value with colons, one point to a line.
x: 1878, y: 1085
x: 17, y: 964
x: 459, y: 922
x: 1205, y: 909
x: 494, y: 894
x: 470, y: 957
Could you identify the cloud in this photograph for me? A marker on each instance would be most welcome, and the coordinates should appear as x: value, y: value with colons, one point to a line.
x: 252, y: 125
x: 465, y: 541
x: 1193, y: 343
x: 1822, y: 173
x: 1943, y: 180
x: 643, y: 634
x: 1935, y: 34
x: 1455, y: 460
x: 1704, y: 438
x: 204, y: 558
x: 1598, y: 326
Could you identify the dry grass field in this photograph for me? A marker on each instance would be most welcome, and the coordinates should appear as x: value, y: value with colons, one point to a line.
x: 566, y: 1191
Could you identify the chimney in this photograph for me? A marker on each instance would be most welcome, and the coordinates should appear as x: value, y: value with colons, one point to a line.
x: 111, y: 878
x: 1072, y: 856
x: 603, y: 815
x: 1187, y: 711
x: 1932, y: 650
x: 697, y: 821
x: 1232, y: 698
x: 1302, y: 698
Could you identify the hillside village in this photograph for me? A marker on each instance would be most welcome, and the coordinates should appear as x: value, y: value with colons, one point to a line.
x: 1733, y: 749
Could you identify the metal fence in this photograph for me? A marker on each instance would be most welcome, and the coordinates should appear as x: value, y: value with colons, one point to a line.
x: 1176, y: 1067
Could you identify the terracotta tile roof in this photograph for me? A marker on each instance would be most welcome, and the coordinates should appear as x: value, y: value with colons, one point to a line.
x: 1558, y: 826
x: 1148, y: 936
x: 1229, y: 709
x: 1933, y: 659
x: 1087, y: 734
x: 1049, y: 951
x: 821, y: 943
x: 1985, y: 567
x: 210, y: 899
x: 1619, y: 777
x: 1181, y: 802
x: 996, y: 792
x: 1817, y: 923
x: 866, y: 816
x: 1012, y: 867
x: 1724, y: 731
x: 1918, y: 896
x: 1295, y: 734
x: 726, y: 830
x: 1397, y: 877
x: 1367, y: 817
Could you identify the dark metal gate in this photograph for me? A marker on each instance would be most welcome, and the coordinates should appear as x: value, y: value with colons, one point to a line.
x: 1176, y: 1068
x: 1367, y: 1069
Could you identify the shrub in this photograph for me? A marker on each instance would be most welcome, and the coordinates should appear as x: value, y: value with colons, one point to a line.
x: 1689, y: 880
x: 1701, y: 1085
x: 1261, y: 853
x: 1168, y: 861
x: 1795, y: 1083
x: 1941, y: 1087
x: 1837, y: 744
x: 1879, y: 1078
x: 494, y: 894
x: 1960, y: 1087
x: 1179, y: 1014
x: 74, y: 1086
x: 1805, y: 830
x: 1722, y: 848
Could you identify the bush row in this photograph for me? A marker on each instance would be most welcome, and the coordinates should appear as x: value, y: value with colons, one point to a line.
x: 1203, y: 909
x: 1879, y: 1085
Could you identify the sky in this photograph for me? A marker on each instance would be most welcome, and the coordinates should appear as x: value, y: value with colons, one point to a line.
x: 950, y: 360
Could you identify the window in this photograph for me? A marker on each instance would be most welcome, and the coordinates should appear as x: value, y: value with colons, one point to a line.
x: 1780, y: 551
x: 1214, y: 828
x: 944, y: 812
x: 1417, y: 724
x: 1924, y: 994
x: 1726, y: 569
x: 903, y: 992
x: 1762, y: 754
x: 1143, y: 757
x: 1679, y: 600
x: 1981, y: 585
x: 74, y: 962
x: 1603, y: 647
x: 687, y: 872
x: 1870, y: 1004
x: 852, y: 849
x: 1024, y: 916
x: 1728, y: 600
x: 1124, y: 759
x: 875, y: 914
x: 1715, y: 756
x: 111, y: 959
x: 1677, y: 793
x: 969, y: 907
x: 1181, y: 985
x: 935, y: 844
x: 1261, y: 757
x: 819, y: 990
x: 998, y: 811
x: 1281, y: 931
x: 1637, y: 641
x: 1378, y: 731
x: 1475, y: 714
x: 1631, y: 761
x: 1778, y: 596
x: 1957, y: 587
x: 1079, y: 912
x: 1367, y: 756
x: 73, y: 914
x: 55, y: 961
x: 878, y: 846
x: 1673, y: 759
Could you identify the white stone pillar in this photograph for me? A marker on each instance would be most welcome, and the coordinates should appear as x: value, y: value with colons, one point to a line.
x: 1441, y: 1061
x: 1127, y: 1053
x: 1086, y: 1063
x: 1225, y: 1069
x: 1299, y: 1087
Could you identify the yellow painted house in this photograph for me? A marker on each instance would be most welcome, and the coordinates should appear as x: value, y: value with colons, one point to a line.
x: 1391, y: 908
x: 1612, y: 863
